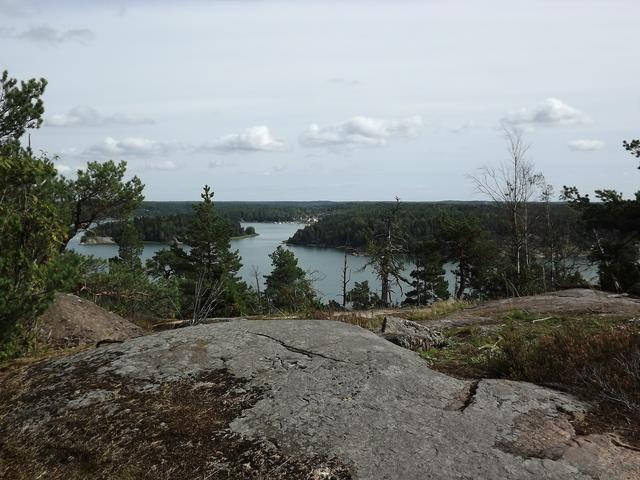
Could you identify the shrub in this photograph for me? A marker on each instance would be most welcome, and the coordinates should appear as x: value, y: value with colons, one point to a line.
x: 600, y: 361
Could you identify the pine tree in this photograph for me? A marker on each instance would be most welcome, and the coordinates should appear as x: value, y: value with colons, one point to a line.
x: 208, y: 272
x: 209, y: 236
x: 214, y: 266
x: 361, y: 297
x: 428, y: 280
x: 287, y: 286
x: 130, y: 246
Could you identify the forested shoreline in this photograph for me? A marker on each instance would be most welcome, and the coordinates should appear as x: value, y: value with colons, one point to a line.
x: 520, y: 241
x: 163, y: 228
x: 352, y: 225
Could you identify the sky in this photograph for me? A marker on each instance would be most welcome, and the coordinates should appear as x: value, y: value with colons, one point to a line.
x: 332, y: 100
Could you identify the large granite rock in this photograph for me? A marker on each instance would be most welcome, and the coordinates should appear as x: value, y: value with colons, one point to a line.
x: 289, y: 400
x: 71, y: 321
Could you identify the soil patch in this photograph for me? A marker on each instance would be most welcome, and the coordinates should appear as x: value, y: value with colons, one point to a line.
x: 117, y: 430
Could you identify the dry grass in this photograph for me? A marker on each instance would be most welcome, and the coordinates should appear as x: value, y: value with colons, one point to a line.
x: 599, y: 359
x: 437, y: 310
x: 370, y: 323
x: 180, y: 430
x: 595, y: 357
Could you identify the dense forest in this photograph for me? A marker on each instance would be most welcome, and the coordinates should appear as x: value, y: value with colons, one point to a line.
x: 354, y: 224
x: 163, y: 228
x: 246, y: 211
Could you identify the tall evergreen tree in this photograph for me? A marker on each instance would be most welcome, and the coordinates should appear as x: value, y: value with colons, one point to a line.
x: 468, y: 245
x: 428, y: 280
x: 209, y: 236
x: 208, y: 272
x: 214, y: 276
x: 287, y: 286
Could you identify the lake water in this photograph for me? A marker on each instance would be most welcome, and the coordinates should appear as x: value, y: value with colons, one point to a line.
x: 323, y: 264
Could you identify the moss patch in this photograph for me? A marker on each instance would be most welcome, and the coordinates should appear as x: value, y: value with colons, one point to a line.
x: 58, y: 424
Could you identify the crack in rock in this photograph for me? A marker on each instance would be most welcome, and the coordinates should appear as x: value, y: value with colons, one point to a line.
x: 306, y: 353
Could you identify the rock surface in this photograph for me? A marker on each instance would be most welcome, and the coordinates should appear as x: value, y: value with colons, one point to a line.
x: 71, y: 321
x: 285, y: 399
x: 575, y: 301
x: 411, y: 335
x: 578, y: 300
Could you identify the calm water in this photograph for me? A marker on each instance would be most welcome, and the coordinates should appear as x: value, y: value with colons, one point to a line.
x: 323, y: 264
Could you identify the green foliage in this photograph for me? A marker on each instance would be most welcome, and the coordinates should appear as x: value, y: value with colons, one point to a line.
x: 600, y: 360
x: 428, y: 281
x: 361, y: 297
x: 353, y: 225
x: 162, y: 229
x: 211, y: 255
x: 132, y: 293
x: 209, y: 266
x: 633, y: 147
x: 287, y: 286
x: 69, y: 271
x: 250, y: 231
x: 21, y: 108
x: 100, y: 193
x: 124, y: 287
x: 268, y: 211
x: 130, y: 246
x: 615, y: 226
x: 468, y: 244
x: 40, y: 211
x: 31, y: 234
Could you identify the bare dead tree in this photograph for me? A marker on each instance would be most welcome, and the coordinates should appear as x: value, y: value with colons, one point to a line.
x: 387, y: 252
x: 511, y: 185
x: 346, y: 279
x: 206, y: 297
x: 314, y: 277
x: 546, y: 195
x: 255, y: 273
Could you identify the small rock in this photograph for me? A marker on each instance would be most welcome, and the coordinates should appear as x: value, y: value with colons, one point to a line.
x: 410, y: 335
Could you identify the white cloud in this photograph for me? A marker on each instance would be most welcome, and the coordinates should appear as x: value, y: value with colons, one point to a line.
x: 132, y: 147
x: 161, y: 165
x: 465, y: 127
x: 273, y: 170
x: 585, y: 145
x: 62, y: 169
x: 552, y: 111
x: 90, y: 117
x: 344, y: 81
x: 219, y: 163
x: 46, y: 35
x: 253, y: 139
x: 360, y: 131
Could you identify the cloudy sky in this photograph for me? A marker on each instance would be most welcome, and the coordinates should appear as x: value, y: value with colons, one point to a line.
x: 332, y: 100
